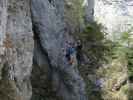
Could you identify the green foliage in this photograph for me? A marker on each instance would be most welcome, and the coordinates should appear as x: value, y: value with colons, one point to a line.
x: 130, y: 95
x: 123, y: 49
x: 94, y: 47
x: 93, y: 39
x: 128, y: 50
x: 130, y: 63
x: 101, y: 51
x: 92, y: 33
x: 125, y: 36
x: 125, y: 89
x: 8, y: 90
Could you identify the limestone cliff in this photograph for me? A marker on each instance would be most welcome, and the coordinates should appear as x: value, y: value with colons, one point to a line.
x: 51, y: 34
x: 33, y: 34
x: 48, y: 25
x: 16, y: 50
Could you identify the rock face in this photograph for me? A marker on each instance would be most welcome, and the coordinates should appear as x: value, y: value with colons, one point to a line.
x: 115, y: 15
x: 35, y: 68
x: 51, y: 34
x: 88, y: 5
x: 16, y: 49
x: 49, y: 19
x: 3, y: 19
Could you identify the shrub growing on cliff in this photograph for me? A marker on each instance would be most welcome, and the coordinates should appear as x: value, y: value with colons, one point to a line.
x: 100, y: 50
x: 92, y: 33
x: 94, y: 48
x: 124, y: 48
x: 94, y: 42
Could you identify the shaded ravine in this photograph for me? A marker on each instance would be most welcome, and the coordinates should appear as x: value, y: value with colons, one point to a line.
x: 50, y: 29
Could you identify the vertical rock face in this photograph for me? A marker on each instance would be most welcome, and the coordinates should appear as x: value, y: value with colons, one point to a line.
x: 3, y: 20
x: 3, y: 16
x: 73, y: 15
x: 52, y: 21
x: 16, y: 49
x: 115, y: 15
x: 50, y: 35
x: 49, y: 19
x: 89, y: 10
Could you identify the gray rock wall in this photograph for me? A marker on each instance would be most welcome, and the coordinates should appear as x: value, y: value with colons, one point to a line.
x: 17, y: 44
x: 89, y: 10
x: 16, y: 39
x: 3, y: 21
x: 50, y: 29
x: 51, y: 22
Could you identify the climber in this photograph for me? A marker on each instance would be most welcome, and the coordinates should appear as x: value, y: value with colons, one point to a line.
x: 72, y: 53
x: 70, y: 50
x: 79, y: 51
